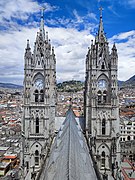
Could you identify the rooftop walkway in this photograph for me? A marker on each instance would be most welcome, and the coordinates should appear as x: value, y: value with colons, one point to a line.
x: 69, y: 155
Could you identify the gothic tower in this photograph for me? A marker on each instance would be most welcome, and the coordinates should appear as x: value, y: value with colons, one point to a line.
x: 101, y: 101
x: 39, y: 101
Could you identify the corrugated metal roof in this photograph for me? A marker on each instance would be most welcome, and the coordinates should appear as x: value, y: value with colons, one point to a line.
x: 69, y: 156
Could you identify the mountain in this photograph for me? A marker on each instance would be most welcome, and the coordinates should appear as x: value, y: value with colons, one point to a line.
x: 70, y: 86
x: 120, y: 83
x: 131, y: 80
x: 10, y: 85
x: 73, y: 86
x: 129, y: 83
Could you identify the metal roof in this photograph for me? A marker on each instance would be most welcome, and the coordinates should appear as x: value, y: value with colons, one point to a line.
x: 69, y: 156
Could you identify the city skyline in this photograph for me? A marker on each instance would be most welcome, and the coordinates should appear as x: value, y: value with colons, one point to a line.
x: 71, y: 27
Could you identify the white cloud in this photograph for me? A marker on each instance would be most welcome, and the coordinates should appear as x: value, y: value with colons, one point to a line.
x: 92, y: 16
x: 11, y: 54
x: 78, y: 18
x: 125, y: 43
x: 86, y: 22
x: 123, y: 36
x: 70, y: 44
x: 70, y: 48
x: 21, y: 10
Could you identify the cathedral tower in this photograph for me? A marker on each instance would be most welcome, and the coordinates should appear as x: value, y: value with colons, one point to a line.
x: 101, y: 101
x: 39, y: 101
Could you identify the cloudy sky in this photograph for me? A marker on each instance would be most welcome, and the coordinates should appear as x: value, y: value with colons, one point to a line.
x: 71, y: 24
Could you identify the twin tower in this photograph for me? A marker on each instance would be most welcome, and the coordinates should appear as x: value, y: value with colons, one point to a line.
x: 100, y: 106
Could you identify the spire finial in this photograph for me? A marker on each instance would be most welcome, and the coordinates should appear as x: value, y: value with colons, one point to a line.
x: 28, y: 44
x: 42, y: 22
x: 42, y: 12
x: 100, y: 9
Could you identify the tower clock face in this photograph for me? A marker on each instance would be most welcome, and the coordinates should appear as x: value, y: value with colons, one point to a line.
x: 39, y: 83
x: 102, y: 83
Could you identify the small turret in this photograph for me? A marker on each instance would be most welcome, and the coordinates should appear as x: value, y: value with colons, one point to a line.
x: 114, y: 50
x: 28, y: 45
x: 114, y: 47
x: 114, y: 56
x: 53, y: 51
x: 28, y: 56
x: 28, y: 50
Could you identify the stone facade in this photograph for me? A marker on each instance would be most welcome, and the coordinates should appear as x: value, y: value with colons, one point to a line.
x: 101, y: 101
x: 39, y: 101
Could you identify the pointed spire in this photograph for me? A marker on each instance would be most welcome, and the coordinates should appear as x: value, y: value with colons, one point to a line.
x: 47, y: 36
x: 101, y: 35
x: 101, y: 9
x: 114, y: 47
x: 28, y: 50
x: 101, y: 29
x: 52, y: 50
x: 114, y: 50
x: 42, y: 31
x: 28, y: 45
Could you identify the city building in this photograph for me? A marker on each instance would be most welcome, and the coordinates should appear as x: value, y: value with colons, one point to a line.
x: 101, y: 102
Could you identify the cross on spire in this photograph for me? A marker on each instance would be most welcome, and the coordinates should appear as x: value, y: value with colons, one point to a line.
x: 42, y: 12
x: 101, y: 9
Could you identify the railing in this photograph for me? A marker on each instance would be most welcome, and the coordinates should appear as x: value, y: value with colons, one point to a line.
x: 36, y: 135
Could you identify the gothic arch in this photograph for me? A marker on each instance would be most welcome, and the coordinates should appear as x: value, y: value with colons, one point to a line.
x: 102, y: 60
x: 103, y: 144
x: 103, y: 76
x: 36, y: 143
x: 104, y: 153
x: 38, y: 75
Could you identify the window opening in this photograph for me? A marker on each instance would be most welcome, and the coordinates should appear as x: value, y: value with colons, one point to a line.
x: 103, y: 127
x: 36, y: 158
x: 37, y: 125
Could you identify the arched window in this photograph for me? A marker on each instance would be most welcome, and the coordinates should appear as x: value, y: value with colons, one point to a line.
x: 103, y: 159
x: 41, y: 95
x: 36, y: 158
x: 99, y: 97
x: 103, y: 127
x: 36, y: 95
x: 128, y: 138
x: 104, y: 97
x: 37, y: 125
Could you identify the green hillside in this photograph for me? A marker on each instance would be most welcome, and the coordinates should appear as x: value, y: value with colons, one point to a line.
x: 70, y: 86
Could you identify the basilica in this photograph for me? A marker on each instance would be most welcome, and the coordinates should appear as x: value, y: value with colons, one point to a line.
x: 72, y: 153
